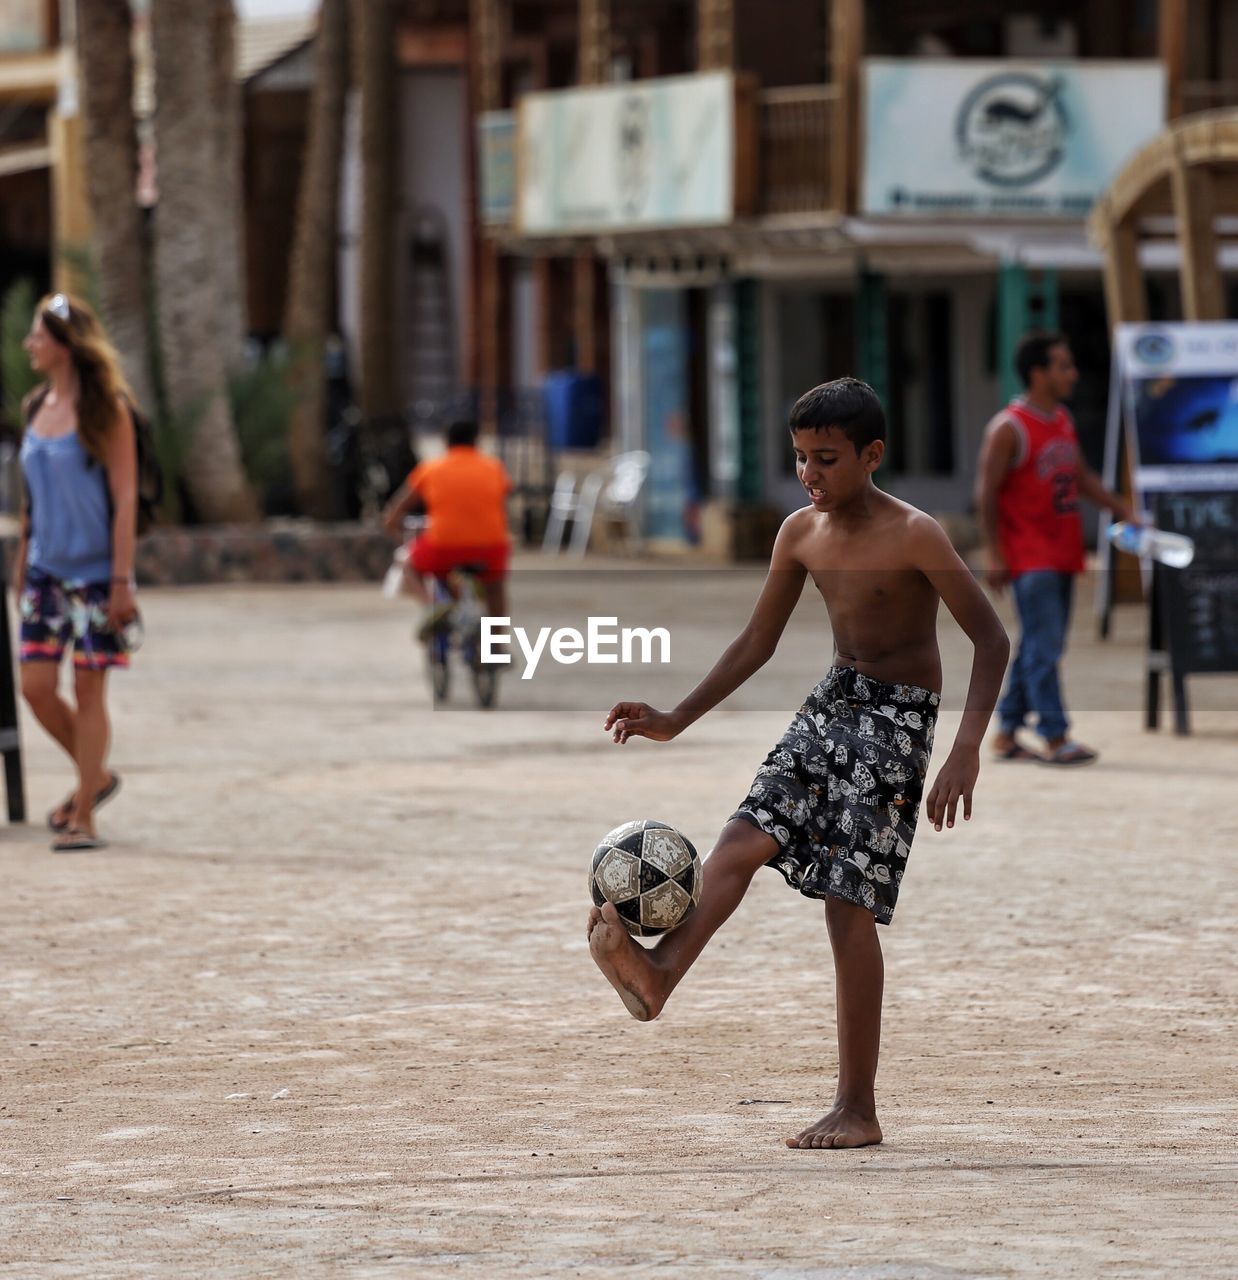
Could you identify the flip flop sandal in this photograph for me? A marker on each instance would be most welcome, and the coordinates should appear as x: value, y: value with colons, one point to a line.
x: 1070, y: 755
x: 77, y: 840
x: 1015, y: 751
x: 58, y: 824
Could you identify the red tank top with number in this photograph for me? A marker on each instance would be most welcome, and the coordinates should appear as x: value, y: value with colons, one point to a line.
x: 1038, y: 523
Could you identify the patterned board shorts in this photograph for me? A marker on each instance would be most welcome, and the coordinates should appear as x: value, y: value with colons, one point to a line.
x: 55, y: 614
x: 841, y: 791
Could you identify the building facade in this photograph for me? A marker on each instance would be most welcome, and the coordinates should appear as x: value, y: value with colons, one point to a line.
x: 897, y: 191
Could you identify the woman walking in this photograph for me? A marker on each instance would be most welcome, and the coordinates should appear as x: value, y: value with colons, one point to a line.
x: 74, y: 572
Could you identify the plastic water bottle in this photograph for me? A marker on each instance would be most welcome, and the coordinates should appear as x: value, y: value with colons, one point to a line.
x: 1147, y: 541
x: 132, y: 634
x: 393, y: 582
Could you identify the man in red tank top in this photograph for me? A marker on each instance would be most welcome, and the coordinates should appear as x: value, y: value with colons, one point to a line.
x: 1030, y: 479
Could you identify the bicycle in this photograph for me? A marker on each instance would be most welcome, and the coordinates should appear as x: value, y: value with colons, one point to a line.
x: 455, y: 624
x: 459, y: 630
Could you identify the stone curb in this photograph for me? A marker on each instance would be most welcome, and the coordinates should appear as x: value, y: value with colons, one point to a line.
x: 279, y: 551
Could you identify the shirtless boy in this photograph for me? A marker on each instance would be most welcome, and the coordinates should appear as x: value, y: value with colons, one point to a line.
x: 834, y: 806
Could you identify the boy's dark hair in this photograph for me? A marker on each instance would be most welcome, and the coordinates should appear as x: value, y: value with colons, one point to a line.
x: 460, y: 432
x: 847, y: 404
x: 1033, y: 352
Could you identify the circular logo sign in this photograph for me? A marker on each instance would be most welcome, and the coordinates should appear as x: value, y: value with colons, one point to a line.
x: 1153, y: 348
x: 1012, y: 128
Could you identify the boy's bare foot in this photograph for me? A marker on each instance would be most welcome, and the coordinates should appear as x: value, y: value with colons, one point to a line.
x: 625, y: 963
x: 839, y: 1127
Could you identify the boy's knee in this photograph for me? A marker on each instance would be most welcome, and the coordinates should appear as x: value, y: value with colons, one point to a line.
x: 744, y: 845
x: 842, y: 916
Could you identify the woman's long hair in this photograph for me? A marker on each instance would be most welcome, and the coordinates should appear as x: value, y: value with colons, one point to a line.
x: 100, y: 379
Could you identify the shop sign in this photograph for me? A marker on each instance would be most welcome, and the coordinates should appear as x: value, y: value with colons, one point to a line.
x: 639, y: 155
x: 1002, y: 138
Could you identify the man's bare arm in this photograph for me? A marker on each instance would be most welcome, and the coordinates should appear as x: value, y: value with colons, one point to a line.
x: 937, y: 559
x: 747, y: 653
x: 997, y: 456
x: 402, y: 501
x: 1095, y: 491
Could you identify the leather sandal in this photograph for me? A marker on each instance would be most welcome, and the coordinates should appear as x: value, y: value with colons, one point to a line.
x: 77, y: 840
x: 60, y: 817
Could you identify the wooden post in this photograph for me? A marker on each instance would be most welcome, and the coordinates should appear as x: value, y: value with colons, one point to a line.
x: 1171, y: 43
x: 585, y: 329
x: 1125, y: 297
x: 486, y: 72
x: 715, y: 35
x: 486, y: 31
x: 1195, y: 211
x: 594, y: 44
x: 846, y: 51
x: 594, y: 69
x: 70, y: 206
x: 1126, y: 302
x: 71, y: 221
x: 544, y: 292
x: 374, y: 23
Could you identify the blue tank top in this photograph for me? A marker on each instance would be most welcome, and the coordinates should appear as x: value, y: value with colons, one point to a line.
x: 70, y: 515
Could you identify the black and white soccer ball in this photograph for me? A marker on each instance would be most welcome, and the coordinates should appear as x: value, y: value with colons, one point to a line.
x: 652, y: 874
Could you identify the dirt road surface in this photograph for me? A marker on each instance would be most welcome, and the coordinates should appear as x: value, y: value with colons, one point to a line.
x: 325, y: 1007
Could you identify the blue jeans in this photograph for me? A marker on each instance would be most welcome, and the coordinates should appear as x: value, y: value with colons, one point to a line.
x: 1043, y: 598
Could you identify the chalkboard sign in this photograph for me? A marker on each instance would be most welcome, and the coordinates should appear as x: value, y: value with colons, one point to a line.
x: 1200, y: 603
x: 1209, y: 518
x: 1202, y: 619
x: 1195, y: 610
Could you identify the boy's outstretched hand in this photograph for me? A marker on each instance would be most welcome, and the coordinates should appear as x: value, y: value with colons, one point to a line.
x: 640, y: 720
x: 955, y: 782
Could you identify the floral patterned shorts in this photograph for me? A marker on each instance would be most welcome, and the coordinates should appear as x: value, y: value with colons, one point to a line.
x: 841, y: 791
x: 55, y: 614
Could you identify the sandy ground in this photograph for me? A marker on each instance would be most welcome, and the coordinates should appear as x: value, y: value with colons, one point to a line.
x: 325, y: 1007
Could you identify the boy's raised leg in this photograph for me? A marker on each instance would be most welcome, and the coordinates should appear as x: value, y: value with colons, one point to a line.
x: 645, y: 978
x: 859, y: 982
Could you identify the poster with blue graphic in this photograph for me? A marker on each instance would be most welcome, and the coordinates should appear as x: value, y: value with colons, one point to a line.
x: 1176, y: 390
x: 1180, y: 399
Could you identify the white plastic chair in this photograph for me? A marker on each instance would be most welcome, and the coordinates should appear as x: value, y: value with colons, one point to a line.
x: 616, y: 487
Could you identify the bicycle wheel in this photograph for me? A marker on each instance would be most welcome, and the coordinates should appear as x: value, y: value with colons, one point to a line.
x: 485, y: 677
x: 437, y: 667
x: 485, y: 685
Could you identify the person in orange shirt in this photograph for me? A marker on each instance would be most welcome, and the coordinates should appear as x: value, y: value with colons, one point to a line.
x: 464, y: 494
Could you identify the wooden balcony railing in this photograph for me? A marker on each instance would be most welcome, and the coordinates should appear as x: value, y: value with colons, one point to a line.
x: 1208, y: 95
x: 794, y: 155
x: 794, y: 149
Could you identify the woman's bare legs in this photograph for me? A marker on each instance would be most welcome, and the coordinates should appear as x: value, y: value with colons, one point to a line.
x: 92, y: 738
x: 40, y: 686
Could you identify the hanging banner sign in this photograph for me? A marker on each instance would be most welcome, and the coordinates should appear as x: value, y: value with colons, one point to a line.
x: 23, y: 26
x: 651, y: 153
x: 1002, y: 138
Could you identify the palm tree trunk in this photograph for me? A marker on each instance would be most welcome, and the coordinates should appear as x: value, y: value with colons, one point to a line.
x: 376, y: 76
x: 229, y: 207
x: 104, y: 51
x: 312, y: 271
x: 188, y: 264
